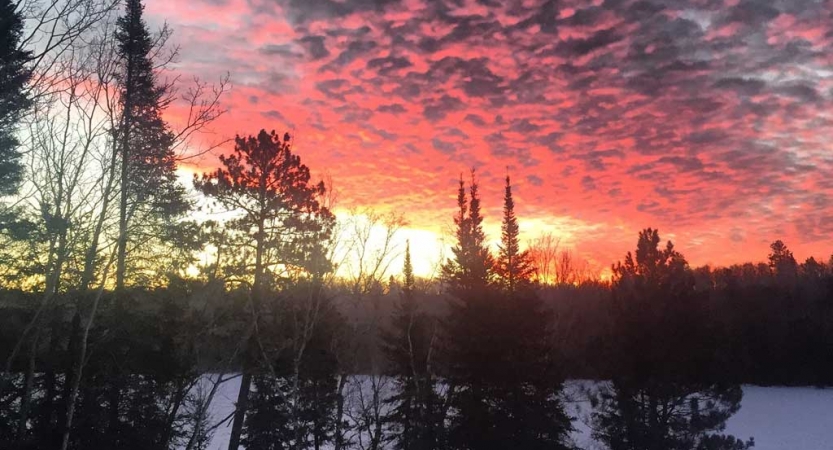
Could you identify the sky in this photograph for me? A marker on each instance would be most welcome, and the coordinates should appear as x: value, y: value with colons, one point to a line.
x: 707, y: 119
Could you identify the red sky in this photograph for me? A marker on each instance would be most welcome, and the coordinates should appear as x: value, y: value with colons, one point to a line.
x: 708, y: 119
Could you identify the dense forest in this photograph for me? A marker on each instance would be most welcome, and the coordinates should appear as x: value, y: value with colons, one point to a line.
x: 122, y: 313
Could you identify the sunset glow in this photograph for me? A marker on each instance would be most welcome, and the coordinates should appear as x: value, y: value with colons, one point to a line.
x: 709, y: 120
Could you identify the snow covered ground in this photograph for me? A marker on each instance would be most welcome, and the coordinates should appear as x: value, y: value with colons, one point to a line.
x: 779, y: 418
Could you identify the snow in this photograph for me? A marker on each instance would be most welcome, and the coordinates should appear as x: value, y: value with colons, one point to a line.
x: 779, y: 418
x: 785, y: 418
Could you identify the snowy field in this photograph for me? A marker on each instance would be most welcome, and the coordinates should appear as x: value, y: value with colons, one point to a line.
x: 779, y: 418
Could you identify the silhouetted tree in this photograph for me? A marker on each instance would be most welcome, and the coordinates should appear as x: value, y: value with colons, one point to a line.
x: 514, y: 267
x: 502, y: 383
x: 667, y: 416
x: 780, y: 255
x: 543, y: 251
x: 14, y: 101
x: 410, y: 345
x: 280, y: 229
x: 145, y: 142
x: 782, y: 262
x: 291, y: 405
x: 471, y: 269
x: 662, y: 394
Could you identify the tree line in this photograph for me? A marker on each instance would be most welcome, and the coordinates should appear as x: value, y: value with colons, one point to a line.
x: 123, y: 317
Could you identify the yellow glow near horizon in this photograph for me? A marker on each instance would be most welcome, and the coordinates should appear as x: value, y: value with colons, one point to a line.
x: 429, y: 247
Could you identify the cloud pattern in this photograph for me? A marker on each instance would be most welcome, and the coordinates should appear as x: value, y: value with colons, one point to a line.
x: 709, y: 119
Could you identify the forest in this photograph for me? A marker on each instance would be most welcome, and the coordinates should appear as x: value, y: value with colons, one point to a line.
x: 123, y: 312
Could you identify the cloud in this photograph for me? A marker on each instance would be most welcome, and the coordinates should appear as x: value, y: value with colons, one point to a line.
x: 534, y: 180
x: 580, y: 47
x: 388, y: 64
x: 443, y: 146
x: 688, y: 116
x: 393, y: 108
x: 437, y: 109
x: 314, y: 46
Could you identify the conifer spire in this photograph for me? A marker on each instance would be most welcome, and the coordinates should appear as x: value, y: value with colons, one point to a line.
x: 514, y: 267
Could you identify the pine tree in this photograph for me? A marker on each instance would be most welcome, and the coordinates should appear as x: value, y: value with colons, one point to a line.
x: 408, y: 275
x: 455, y: 269
x: 289, y: 408
x: 482, y: 262
x: 783, y: 263
x: 661, y: 395
x: 514, y: 267
x: 14, y: 100
x: 471, y: 269
x: 503, y: 386
x: 414, y: 413
x: 144, y: 141
x: 282, y: 221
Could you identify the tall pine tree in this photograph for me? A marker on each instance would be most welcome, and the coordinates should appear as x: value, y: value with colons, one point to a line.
x: 143, y: 139
x: 281, y: 226
x: 14, y: 100
x: 482, y: 263
x: 514, y: 267
x: 663, y: 394
x: 471, y: 269
x: 415, y: 414
x: 503, y: 387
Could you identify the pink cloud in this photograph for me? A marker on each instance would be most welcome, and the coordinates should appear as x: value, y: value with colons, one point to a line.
x: 629, y: 117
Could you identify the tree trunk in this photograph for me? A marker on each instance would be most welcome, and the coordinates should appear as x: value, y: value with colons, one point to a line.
x: 204, y: 405
x: 121, y: 254
x: 26, y: 396
x: 48, y: 419
x: 113, y: 403
x: 240, y: 410
x: 342, y: 382
x: 78, y: 369
x: 377, y: 432
x: 246, y: 379
x: 181, y: 391
x: 69, y: 371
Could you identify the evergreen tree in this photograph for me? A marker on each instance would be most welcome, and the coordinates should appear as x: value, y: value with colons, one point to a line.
x: 482, y: 263
x: 783, y: 263
x: 781, y: 255
x: 267, y: 418
x: 454, y: 270
x: 281, y: 227
x: 296, y: 389
x: 665, y: 391
x: 14, y: 100
x: 415, y: 406
x: 144, y: 141
x: 503, y: 386
x: 408, y: 282
x: 514, y: 267
x: 471, y: 269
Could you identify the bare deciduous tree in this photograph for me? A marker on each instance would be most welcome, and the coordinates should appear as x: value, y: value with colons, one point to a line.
x: 369, y: 245
x: 544, y: 253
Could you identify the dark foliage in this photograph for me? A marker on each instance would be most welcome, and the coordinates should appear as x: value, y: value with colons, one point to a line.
x: 479, y: 366
x: 503, y: 380
x: 149, y: 187
x: 663, y: 394
x: 14, y: 98
x: 295, y: 391
x: 410, y: 346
